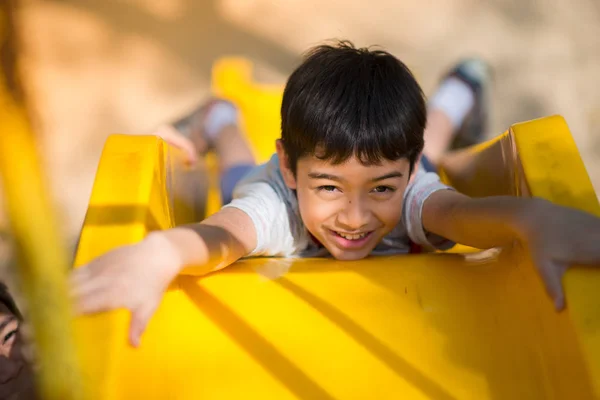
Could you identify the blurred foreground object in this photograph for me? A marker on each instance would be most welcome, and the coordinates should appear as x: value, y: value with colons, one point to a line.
x: 41, y: 256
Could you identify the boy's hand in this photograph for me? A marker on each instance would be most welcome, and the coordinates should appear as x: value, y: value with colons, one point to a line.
x: 134, y: 277
x: 557, y: 238
x: 172, y: 136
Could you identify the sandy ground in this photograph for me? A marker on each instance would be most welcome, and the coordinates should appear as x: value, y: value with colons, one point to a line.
x: 101, y: 67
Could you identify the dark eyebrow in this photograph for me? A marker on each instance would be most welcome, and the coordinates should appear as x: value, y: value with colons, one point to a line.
x: 319, y: 175
x: 394, y: 174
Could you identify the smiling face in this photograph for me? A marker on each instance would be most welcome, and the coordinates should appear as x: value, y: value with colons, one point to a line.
x: 348, y: 207
x: 352, y: 123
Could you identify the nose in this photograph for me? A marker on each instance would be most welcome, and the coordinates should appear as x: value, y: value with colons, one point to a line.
x: 354, y: 216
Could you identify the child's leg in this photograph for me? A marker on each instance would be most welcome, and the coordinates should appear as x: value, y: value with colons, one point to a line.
x: 439, y: 135
x: 457, y: 109
x: 232, y: 148
x: 235, y: 159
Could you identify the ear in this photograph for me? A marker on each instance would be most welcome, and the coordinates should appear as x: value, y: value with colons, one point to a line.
x: 416, y: 167
x: 284, y: 166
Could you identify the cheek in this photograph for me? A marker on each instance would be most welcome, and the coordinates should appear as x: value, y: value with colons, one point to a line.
x: 4, y: 350
x: 315, y: 210
x: 7, y: 348
x: 389, y: 212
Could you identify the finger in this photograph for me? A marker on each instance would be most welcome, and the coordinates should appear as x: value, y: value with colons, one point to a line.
x: 96, y: 299
x: 174, y: 138
x: 552, y: 274
x: 82, y: 285
x: 166, y: 131
x: 79, y: 275
x: 186, y: 146
x: 139, y: 321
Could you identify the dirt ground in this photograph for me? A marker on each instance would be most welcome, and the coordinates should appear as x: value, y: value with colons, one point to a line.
x: 122, y: 66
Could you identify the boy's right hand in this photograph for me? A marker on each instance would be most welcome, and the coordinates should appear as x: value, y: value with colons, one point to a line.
x: 133, y: 277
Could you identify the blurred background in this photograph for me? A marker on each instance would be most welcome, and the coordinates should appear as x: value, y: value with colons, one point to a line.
x: 93, y: 68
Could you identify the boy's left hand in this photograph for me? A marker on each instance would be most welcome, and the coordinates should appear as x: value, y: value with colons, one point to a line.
x: 557, y: 238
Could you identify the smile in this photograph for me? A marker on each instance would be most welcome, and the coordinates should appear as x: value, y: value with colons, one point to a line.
x: 352, y: 236
x: 351, y: 241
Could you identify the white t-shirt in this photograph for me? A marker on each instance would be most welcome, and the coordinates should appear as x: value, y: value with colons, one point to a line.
x: 273, y: 208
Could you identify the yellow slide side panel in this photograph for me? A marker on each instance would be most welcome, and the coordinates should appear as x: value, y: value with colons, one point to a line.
x: 438, y: 326
x: 554, y: 171
x: 132, y: 195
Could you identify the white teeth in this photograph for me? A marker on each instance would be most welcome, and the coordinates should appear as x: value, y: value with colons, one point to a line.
x: 352, y: 236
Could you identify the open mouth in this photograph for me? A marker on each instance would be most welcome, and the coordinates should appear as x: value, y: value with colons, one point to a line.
x: 351, y: 240
x: 352, y: 236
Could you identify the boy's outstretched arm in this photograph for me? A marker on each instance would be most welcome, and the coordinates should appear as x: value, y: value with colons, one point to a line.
x: 556, y: 236
x: 135, y: 277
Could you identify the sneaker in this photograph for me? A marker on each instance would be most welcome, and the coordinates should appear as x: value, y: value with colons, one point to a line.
x: 199, y: 128
x: 477, y: 74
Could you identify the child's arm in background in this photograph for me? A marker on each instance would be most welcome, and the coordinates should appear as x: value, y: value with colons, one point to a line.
x: 135, y: 277
x: 556, y: 236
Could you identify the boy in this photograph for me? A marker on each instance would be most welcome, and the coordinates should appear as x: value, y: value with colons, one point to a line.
x: 346, y: 181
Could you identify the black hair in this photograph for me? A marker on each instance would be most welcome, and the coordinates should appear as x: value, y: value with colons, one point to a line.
x: 344, y: 101
x: 8, y: 301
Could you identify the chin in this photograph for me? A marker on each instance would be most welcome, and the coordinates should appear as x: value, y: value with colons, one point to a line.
x: 350, y: 255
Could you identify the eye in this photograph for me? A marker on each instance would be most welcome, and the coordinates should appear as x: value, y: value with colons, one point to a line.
x: 9, y: 335
x: 327, y: 188
x: 384, y: 189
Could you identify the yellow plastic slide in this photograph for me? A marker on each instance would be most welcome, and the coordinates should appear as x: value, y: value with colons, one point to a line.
x: 462, y: 325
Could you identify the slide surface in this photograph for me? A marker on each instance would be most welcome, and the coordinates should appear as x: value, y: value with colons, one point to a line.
x: 461, y: 325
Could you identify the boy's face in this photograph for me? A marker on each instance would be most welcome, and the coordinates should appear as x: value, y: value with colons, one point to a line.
x: 348, y: 207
